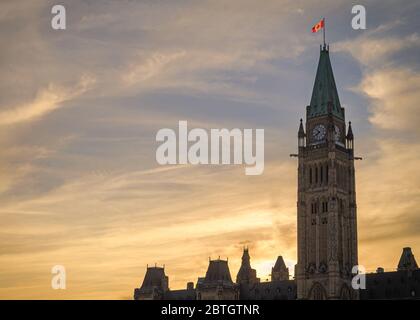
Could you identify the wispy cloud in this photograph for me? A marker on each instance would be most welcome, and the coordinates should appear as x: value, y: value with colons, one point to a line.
x: 78, y: 180
x: 46, y: 100
x: 394, y: 93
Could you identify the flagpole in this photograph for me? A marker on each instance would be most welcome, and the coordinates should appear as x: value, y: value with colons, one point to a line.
x: 323, y: 29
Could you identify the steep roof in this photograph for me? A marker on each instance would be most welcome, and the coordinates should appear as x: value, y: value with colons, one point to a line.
x: 246, y: 258
x: 246, y: 273
x: 324, y: 91
x: 407, y: 260
x: 301, y: 132
x: 280, y: 265
x: 218, y: 270
x: 155, y: 277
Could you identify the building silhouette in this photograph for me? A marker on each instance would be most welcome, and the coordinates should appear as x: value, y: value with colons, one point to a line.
x: 326, y: 206
x: 326, y: 224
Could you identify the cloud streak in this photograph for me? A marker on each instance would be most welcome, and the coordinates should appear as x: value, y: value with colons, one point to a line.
x: 79, y: 183
x: 46, y: 101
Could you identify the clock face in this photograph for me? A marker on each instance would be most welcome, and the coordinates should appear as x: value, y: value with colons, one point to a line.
x: 336, y: 133
x: 318, y: 133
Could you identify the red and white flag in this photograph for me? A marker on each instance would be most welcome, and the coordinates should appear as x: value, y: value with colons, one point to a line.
x: 318, y: 26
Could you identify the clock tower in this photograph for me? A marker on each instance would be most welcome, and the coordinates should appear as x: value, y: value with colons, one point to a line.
x: 326, y: 206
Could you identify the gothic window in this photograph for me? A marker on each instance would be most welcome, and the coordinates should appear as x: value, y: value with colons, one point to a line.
x: 316, y: 174
x: 322, y: 173
x: 310, y: 175
x: 326, y: 174
x: 338, y: 175
x: 345, y: 293
x: 314, y: 207
x: 317, y: 292
x: 344, y: 177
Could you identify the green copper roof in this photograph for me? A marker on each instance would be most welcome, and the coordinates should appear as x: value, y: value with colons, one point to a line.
x: 325, y: 90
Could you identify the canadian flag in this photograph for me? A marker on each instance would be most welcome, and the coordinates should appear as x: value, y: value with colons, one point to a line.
x: 318, y: 26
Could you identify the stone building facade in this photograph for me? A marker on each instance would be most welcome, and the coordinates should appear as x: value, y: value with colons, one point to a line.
x: 326, y: 224
x: 404, y: 283
x: 326, y: 206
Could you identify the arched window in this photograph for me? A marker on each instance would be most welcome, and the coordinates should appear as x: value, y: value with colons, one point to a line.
x: 315, y: 207
x: 322, y: 173
x: 326, y: 173
x: 345, y: 293
x: 338, y: 175
x: 317, y: 292
x: 310, y: 176
x: 324, y: 206
x: 316, y: 174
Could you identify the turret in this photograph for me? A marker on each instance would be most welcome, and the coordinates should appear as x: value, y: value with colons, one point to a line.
x: 301, y: 135
x: 155, y: 285
x: 279, y: 272
x: 407, y: 261
x: 246, y: 274
x: 217, y: 284
x: 350, y: 138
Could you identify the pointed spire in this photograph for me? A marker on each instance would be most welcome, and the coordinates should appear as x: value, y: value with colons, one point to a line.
x: 324, y: 91
x: 407, y: 260
x: 301, y: 132
x: 279, y: 265
x: 246, y: 274
x: 246, y: 258
x: 279, y: 272
x: 350, y: 132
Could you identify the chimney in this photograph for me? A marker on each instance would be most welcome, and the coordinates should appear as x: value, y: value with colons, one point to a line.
x: 190, y: 285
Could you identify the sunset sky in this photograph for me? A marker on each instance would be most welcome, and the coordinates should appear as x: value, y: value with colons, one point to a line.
x: 80, y: 109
